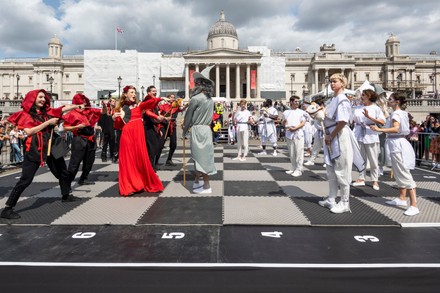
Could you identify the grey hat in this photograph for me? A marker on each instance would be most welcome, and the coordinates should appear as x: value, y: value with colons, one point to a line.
x: 204, y: 74
x: 378, y: 89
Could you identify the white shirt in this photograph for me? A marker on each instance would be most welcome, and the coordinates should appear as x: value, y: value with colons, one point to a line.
x: 293, y: 118
x: 362, y: 130
x: 242, y: 118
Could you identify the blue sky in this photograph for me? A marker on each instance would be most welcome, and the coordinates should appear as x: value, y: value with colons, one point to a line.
x: 178, y: 25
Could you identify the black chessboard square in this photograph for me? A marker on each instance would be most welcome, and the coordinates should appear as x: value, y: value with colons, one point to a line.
x: 252, y: 188
x: 188, y: 210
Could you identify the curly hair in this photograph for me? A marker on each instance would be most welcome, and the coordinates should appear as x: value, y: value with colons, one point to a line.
x: 204, y: 86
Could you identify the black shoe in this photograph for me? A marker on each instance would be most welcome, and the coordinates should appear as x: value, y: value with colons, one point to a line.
x: 115, y: 160
x: 9, y: 213
x: 70, y: 198
x: 86, y: 182
x: 170, y: 163
x: 104, y: 160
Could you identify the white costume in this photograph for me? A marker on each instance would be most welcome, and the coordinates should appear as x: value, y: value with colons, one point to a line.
x: 317, y: 140
x: 241, y: 119
x: 308, y: 131
x: 401, y: 152
x: 268, y: 129
x: 231, y: 131
x: 368, y: 139
x: 344, y: 152
x: 295, y: 139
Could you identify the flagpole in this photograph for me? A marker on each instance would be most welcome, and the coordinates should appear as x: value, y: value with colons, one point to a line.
x: 116, y: 38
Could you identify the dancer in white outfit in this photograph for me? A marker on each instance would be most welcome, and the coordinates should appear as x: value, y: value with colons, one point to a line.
x: 401, y: 153
x: 294, y: 120
x: 242, y: 119
x: 364, y: 116
x: 268, y: 130
x: 341, y: 149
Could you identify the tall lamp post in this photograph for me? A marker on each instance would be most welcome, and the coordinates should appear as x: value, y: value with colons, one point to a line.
x: 119, y: 85
x: 142, y: 90
x: 154, y: 80
x: 51, y: 83
x: 291, y: 83
x: 18, y: 79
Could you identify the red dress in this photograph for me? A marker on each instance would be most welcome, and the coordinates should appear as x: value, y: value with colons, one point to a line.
x: 135, y: 170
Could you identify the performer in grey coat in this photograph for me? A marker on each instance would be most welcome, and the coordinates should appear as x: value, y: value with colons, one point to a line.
x: 198, y: 117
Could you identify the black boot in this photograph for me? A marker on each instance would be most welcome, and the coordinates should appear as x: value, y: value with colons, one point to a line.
x: 85, y: 182
x: 170, y: 163
x: 9, y: 213
x: 70, y: 198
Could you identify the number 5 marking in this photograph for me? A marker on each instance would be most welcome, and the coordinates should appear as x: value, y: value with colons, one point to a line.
x: 366, y: 238
x: 175, y: 235
x: 83, y: 235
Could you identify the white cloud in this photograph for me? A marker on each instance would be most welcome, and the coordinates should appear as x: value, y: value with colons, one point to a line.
x: 178, y: 25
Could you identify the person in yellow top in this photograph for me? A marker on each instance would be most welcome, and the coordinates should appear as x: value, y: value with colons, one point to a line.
x: 217, y: 126
x: 219, y: 110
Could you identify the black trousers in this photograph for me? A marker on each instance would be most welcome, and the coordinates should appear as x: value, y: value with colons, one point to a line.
x: 29, y: 168
x: 153, y: 144
x: 173, y: 143
x: 82, y: 150
x: 109, y: 142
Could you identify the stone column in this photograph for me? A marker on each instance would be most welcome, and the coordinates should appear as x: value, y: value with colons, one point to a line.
x: 217, y: 80
x: 248, y: 81
x: 237, y: 82
x: 315, y: 84
x: 258, y: 95
x: 186, y: 81
x: 228, y: 82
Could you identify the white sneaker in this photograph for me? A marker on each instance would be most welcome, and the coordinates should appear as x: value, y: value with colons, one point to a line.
x: 411, y: 211
x: 397, y: 202
x: 242, y: 159
x: 236, y: 159
x: 297, y: 173
x: 381, y: 171
x: 262, y: 153
x: 327, y: 203
x: 289, y: 172
x: 309, y: 163
x: 198, y: 185
x: 376, y: 187
x: 341, y: 207
x: 201, y: 190
x: 325, y: 165
x: 275, y: 153
x: 358, y: 183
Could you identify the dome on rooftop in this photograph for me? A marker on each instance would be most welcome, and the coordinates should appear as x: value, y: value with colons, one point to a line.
x: 222, y: 27
x: 55, y: 40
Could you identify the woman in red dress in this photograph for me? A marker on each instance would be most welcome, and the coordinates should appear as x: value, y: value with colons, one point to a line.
x: 135, y: 171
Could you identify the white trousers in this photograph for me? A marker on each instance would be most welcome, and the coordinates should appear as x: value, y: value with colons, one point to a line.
x: 339, y: 173
x: 370, y: 152
x: 402, y: 175
x: 317, y: 145
x: 296, y: 153
x: 242, y: 142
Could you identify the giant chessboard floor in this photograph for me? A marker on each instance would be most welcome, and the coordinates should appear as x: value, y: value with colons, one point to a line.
x: 252, y: 192
x: 261, y: 230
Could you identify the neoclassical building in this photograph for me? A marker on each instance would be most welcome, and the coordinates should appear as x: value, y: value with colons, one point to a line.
x: 254, y: 73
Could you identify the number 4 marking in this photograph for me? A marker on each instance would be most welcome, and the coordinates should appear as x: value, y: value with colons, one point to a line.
x: 366, y: 238
x: 274, y: 234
